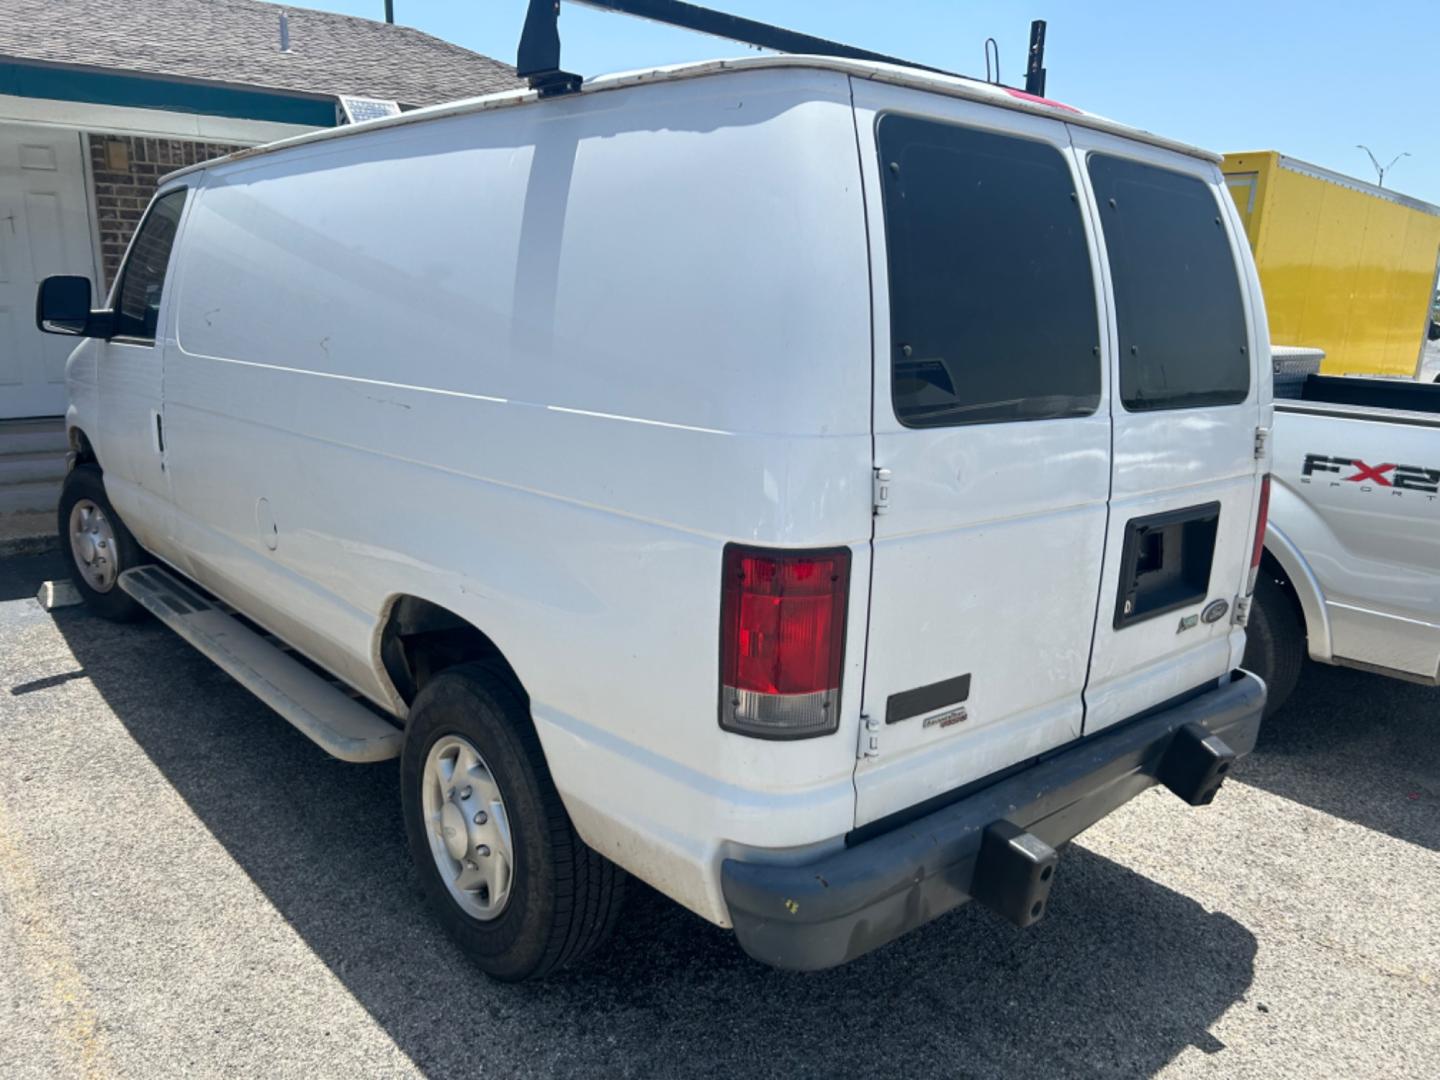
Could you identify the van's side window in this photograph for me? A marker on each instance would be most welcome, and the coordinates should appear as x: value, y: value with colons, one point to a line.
x: 137, y: 304
x: 1177, y: 295
x: 992, y: 303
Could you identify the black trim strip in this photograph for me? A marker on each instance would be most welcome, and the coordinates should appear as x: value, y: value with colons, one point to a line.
x: 1374, y: 412
x: 925, y: 699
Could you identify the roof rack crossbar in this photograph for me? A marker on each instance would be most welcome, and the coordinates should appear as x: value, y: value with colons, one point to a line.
x: 539, y: 55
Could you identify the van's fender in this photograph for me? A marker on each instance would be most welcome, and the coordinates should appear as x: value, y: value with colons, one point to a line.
x: 427, y: 614
x: 1307, y: 591
x: 82, y: 410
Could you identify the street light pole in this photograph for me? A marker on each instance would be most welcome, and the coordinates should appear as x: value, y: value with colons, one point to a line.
x: 389, y: 11
x: 1380, y: 170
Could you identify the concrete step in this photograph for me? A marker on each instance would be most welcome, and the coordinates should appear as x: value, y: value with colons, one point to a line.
x: 32, y: 436
x: 27, y: 532
x: 29, y: 495
x: 35, y: 465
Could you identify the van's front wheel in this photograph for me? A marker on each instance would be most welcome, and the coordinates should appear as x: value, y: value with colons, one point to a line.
x: 96, y: 545
x: 501, y: 863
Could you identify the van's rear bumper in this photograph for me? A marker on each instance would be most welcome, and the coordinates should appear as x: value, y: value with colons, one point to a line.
x: 828, y: 912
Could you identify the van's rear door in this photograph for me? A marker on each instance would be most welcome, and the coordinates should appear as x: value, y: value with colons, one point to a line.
x: 991, y: 411
x: 1186, y: 407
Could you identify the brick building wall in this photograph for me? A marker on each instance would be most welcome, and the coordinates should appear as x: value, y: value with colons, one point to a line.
x: 126, y: 168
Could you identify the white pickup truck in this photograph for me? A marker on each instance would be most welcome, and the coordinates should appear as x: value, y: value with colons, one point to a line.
x: 1351, y: 571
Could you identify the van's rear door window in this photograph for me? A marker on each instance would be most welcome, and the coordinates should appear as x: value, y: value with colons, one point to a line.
x: 992, y: 302
x: 1177, y: 295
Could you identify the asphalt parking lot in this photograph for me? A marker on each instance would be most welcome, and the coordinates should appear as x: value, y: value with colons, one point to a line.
x: 188, y: 886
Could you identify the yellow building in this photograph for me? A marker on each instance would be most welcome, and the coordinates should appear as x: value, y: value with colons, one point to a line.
x: 1346, y: 266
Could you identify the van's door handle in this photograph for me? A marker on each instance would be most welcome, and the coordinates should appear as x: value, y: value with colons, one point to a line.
x: 159, y: 433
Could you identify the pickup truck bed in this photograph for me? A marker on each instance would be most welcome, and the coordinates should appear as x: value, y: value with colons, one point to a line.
x: 1395, y: 395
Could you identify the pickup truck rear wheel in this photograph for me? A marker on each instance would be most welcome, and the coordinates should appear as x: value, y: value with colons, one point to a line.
x: 97, y: 546
x: 500, y: 861
x: 1274, y: 641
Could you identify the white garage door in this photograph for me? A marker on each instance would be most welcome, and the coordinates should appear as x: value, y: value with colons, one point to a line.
x: 44, y: 229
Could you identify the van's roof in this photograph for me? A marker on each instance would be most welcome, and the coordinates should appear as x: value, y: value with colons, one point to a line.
x: 935, y: 82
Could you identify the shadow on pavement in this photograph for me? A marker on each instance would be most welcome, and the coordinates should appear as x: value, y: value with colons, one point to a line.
x: 22, y: 575
x: 1357, y: 746
x: 1122, y: 976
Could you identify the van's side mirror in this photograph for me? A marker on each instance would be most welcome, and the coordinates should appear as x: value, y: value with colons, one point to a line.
x: 62, y: 306
x: 1434, y: 334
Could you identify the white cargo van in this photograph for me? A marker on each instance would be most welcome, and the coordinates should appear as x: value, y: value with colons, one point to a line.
x: 816, y: 487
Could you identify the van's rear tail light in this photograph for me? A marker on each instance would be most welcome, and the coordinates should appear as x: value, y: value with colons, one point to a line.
x: 1260, y: 521
x: 782, y: 641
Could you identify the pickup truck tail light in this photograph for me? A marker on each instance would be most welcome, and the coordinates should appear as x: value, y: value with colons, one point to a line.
x: 782, y: 641
x: 1260, y: 520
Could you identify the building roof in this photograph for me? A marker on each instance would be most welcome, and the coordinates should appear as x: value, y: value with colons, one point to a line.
x: 238, y: 42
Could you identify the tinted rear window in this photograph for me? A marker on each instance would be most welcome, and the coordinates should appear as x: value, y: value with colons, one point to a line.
x: 1177, y: 296
x: 992, y: 302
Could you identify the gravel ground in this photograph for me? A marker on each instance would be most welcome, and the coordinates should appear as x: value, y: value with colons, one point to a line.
x: 188, y: 887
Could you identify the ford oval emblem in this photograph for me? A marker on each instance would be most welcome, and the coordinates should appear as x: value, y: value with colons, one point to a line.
x: 1215, y: 611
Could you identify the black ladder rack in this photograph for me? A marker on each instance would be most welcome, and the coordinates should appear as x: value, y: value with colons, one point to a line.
x: 538, y: 60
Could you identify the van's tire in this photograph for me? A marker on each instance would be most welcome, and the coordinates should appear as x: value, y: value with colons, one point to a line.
x: 563, y: 898
x: 1275, y: 646
x: 96, y: 545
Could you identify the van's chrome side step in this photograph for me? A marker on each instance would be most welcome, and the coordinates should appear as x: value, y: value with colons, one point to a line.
x: 337, y: 724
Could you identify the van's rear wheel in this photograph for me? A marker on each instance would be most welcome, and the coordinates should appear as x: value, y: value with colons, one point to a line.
x: 1274, y: 641
x: 96, y: 545
x: 501, y: 863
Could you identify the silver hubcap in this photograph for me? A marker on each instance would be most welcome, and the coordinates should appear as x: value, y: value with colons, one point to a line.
x: 92, y: 540
x: 468, y: 828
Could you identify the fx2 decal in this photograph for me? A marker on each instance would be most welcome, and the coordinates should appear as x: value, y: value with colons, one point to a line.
x: 1343, y: 470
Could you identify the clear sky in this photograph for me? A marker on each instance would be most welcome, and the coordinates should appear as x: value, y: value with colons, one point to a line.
x: 1311, y: 79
